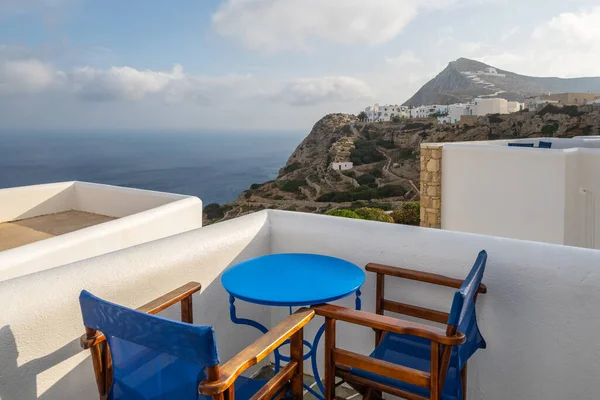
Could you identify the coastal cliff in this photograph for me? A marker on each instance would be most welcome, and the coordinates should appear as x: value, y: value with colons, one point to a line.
x: 385, y: 159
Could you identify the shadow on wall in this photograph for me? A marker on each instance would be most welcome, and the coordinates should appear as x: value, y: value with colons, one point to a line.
x: 61, y: 201
x: 19, y: 382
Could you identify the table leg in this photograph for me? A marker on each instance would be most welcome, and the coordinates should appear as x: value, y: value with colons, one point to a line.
x: 315, y: 346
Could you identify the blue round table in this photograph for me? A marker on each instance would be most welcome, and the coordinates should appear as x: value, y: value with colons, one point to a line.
x: 290, y: 280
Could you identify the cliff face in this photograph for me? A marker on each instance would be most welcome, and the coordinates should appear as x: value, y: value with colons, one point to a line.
x: 386, y: 158
x: 459, y: 82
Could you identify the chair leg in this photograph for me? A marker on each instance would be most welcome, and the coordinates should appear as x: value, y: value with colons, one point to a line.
x: 463, y: 378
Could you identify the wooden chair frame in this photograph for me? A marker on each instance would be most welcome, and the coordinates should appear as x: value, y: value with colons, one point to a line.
x: 220, y: 378
x: 338, y: 362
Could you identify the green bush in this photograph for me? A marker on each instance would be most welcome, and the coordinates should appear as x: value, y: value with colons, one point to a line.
x: 255, y: 186
x: 363, y: 193
x: 351, y: 174
x: 386, y: 144
x: 408, y: 214
x: 292, y: 167
x: 292, y: 186
x: 365, y: 152
x: 550, y: 130
x: 213, y: 211
x: 343, y: 213
x: 377, y: 172
x: 366, y: 179
x: 373, y: 214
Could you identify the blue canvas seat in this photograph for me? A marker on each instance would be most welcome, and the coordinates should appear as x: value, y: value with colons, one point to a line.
x: 138, y: 355
x: 417, y: 360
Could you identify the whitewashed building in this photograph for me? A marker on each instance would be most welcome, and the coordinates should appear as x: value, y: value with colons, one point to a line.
x: 427, y: 110
x: 342, y: 166
x: 455, y: 111
x: 385, y: 113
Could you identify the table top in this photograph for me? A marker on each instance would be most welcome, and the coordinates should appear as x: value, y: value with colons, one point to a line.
x: 292, y: 279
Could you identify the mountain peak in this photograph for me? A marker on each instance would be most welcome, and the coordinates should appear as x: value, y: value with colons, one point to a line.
x: 464, y: 79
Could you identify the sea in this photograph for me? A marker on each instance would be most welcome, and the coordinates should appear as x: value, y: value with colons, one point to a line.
x: 216, y: 167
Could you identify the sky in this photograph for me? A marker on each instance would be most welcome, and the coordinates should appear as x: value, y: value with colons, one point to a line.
x: 269, y: 65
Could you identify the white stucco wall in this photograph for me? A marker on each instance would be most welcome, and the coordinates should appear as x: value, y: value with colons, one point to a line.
x: 547, y: 195
x: 537, y: 316
x: 145, y: 216
x: 116, y: 201
x: 40, y: 357
x: 31, y: 201
x: 504, y: 191
x: 341, y: 166
x: 491, y: 106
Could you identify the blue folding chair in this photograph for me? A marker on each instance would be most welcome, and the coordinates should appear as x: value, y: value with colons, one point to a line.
x: 137, y: 355
x: 411, y: 360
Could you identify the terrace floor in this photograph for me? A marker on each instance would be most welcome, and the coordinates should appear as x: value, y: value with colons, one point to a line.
x: 18, y: 233
x: 342, y: 392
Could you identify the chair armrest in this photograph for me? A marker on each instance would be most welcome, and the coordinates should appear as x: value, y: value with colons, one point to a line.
x: 420, y: 276
x: 175, y: 296
x: 389, y: 324
x: 257, y: 351
x: 153, y: 307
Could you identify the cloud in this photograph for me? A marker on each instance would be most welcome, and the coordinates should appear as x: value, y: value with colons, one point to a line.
x: 271, y: 26
x: 311, y: 91
x: 405, y: 58
x: 30, y: 75
x: 27, y: 76
x: 567, y: 45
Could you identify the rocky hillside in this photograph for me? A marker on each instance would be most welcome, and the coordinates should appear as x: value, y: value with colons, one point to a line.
x: 386, y: 159
x: 459, y: 82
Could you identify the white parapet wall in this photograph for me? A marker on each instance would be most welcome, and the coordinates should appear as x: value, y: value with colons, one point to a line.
x: 143, y: 216
x: 548, y: 195
x: 537, y: 317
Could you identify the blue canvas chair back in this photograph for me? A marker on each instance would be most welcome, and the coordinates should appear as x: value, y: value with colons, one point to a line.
x: 153, y: 357
x: 462, y: 313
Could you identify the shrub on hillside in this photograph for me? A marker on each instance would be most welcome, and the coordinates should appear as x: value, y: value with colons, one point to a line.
x: 255, y: 186
x: 408, y: 214
x: 343, y: 213
x: 365, y: 152
x: 292, y: 167
x: 213, y: 211
x: 366, y: 179
x: 373, y: 214
x: 292, y: 186
x: 550, y: 130
x: 351, y: 174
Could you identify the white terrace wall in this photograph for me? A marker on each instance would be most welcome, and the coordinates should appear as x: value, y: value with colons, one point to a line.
x: 31, y: 201
x: 40, y: 324
x: 539, y: 316
x: 504, y: 191
x: 547, y: 195
x: 145, y: 216
x: 116, y: 201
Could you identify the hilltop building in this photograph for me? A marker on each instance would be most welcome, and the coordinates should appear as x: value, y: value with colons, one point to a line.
x: 377, y: 113
x: 342, y: 166
x: 560, y: 99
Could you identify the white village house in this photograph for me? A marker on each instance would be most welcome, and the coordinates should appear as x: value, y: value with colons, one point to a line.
x: 342, y: 166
